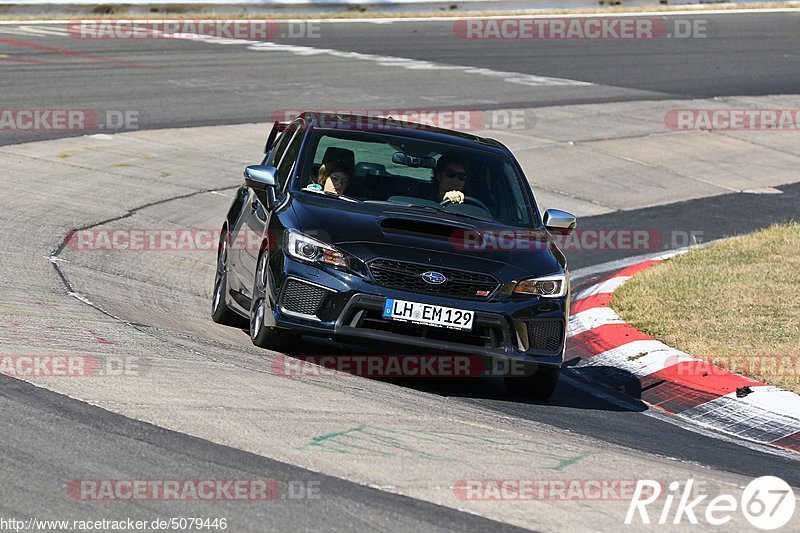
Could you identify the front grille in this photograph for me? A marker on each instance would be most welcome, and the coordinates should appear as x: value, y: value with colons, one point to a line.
x: 406, y: 276
x: 545, y: 335
x: 299, y: 297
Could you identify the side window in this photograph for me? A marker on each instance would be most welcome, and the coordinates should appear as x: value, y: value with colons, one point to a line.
x: 512, y: 198
x: 289, y: 156
x: 270, y: 154
x: 280, y: 145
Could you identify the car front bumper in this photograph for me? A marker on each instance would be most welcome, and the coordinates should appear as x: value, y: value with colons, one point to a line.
x: 328, y: 302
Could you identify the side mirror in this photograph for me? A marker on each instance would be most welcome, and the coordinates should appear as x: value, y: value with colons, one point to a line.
x: 557, y: 221
x: 260, y: 177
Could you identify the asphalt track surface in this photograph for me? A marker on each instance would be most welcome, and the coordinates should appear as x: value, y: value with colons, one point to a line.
x: 175, y: 84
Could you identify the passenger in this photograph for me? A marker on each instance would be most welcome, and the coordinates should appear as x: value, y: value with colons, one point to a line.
x: 334, y: 177
x: 451, y: 175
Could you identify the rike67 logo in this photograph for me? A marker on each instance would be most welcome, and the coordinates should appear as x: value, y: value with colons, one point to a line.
x: 767, y: 502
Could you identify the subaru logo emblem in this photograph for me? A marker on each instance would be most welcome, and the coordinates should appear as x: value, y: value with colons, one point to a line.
x: 434, y: 278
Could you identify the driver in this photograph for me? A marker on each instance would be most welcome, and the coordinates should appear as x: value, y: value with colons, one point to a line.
x: 334, y: 177
x: 451, y: 175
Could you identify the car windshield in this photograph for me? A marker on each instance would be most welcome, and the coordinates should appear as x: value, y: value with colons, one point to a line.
x: 416, y: 173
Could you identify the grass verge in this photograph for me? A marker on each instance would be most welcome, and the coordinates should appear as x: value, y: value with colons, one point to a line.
x: 735, y: 304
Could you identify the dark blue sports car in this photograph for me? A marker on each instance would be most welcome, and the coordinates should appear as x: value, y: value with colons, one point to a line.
x: 357, y: 227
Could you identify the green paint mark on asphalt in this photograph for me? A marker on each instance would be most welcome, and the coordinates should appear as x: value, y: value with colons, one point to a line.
x: 331, y: 441
x: 372, y: 441
x: 571, y: 461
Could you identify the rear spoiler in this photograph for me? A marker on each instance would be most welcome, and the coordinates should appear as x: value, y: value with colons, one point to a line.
x: 277, y: 127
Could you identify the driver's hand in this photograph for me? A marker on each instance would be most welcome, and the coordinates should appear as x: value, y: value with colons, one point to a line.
x: 457, y: 197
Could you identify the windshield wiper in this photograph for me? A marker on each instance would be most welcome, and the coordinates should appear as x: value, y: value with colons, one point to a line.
x: 343, y: 197
x: 333, y: 194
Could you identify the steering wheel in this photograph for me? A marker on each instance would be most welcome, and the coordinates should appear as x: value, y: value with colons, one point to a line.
x: 467, y: 199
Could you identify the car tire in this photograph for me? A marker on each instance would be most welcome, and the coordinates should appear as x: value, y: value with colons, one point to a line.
x: 263, y: 336
x: 220, y: 312
x: 538, y: 386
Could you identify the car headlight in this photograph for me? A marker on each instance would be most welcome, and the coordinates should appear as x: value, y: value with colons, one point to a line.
x: 304, y: 248
x: 554, y: 286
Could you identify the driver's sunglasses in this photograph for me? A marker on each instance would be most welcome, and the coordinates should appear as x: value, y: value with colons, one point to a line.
x: 452, y: 174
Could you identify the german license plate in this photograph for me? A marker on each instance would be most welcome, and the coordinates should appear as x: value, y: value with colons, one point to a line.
x: 428, y: 315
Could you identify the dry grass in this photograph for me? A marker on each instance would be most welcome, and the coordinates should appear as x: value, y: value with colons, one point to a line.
x: 736, y: 304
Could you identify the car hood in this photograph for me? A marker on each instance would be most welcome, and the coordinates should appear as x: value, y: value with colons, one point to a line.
x: 376, y: 229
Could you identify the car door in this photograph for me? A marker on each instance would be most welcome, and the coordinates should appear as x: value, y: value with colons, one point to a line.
x: 239, y: 235
x: 255, y: 217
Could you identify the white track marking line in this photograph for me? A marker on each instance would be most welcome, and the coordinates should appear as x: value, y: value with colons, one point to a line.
x: 520, y: 78
x: 416, y: 64
x: 411, y: 64
x: 608, y: 286
x: 388, y: 61
x: 618, y: 264
x: 590, y: 319
x: 15, y: 31
x: 59, y: 32
x: 28, y: 31
x: 640, y: 358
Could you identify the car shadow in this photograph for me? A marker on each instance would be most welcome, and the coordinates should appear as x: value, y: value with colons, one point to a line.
x: 586, y: 387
